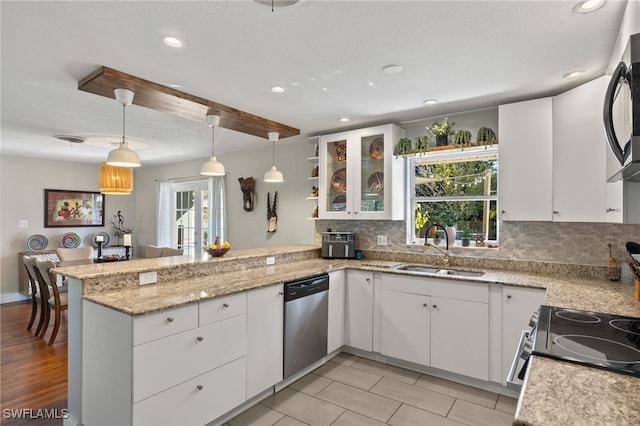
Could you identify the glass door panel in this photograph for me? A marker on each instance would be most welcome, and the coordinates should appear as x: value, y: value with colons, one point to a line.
x: 336, y: 175
x: 372, y: 173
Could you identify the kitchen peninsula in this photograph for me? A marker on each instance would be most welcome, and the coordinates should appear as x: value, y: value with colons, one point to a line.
x: 554, y: 391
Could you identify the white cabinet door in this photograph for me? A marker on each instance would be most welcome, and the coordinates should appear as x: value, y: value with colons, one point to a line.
x: 460, y: 337
x: 335, y: 337
x: 404, y: 326
x: 526, y: 159
x: 580, y: 189
x: 358, y: 175
x: 265, y: 334
x: 518, y: 304
x: 358, y: 330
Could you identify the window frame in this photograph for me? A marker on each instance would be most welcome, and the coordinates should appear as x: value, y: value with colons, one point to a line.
x: 469, y: 154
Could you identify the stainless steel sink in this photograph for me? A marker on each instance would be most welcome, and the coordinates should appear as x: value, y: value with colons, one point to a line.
x: 438, y: 271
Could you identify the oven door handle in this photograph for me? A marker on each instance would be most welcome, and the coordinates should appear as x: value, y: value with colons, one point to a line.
x: 514, y: 365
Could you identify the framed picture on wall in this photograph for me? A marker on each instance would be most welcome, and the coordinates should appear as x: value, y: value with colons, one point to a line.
x: 64, y: 208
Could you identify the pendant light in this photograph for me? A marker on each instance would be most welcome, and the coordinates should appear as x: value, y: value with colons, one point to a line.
x: 273, y: 175
x: 114, y: 180
x: 123, y: 156
x: 213, y: 167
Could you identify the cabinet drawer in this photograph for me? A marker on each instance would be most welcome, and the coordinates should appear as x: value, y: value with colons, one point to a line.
x: 222, y: 308
x: 197, y: 401
x: 164, y: 323
x: 473, y: 292
x: 164, y: 363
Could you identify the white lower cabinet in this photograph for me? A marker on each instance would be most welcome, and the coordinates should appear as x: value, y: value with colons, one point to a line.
x: 518, y: 304
x: 335, y: 329
x: 405, y: 324
x: 358, y: 321
x: 182, y: 366
x: 265, y: 336
x: 427, y: 321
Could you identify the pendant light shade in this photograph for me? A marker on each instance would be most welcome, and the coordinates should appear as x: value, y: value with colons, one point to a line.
x: 213, y: 167
x: 123, y: 156
x: 273, y: 175
x: 115, y: 180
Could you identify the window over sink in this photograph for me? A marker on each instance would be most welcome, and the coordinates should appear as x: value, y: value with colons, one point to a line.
x: 457, y: 187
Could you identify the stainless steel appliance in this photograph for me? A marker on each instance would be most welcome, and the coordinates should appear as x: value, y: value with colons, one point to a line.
x: 622, y: 115
x: 306, y: 316
x: 521, y: 357
x: 610, y: 342
x: 338, y: 245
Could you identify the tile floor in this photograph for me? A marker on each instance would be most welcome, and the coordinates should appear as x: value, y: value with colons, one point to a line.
x: 354, y: 391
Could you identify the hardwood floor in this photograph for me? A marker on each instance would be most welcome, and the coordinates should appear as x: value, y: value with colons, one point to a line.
x: 33, y: 384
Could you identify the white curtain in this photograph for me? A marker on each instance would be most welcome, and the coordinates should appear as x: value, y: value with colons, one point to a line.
x: 217, y: 208
x: 163, y: 215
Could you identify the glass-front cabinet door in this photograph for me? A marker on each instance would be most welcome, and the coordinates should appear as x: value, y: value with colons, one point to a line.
x: 358, y: 174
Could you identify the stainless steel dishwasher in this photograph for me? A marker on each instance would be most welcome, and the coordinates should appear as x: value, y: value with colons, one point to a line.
x: 306, y: 316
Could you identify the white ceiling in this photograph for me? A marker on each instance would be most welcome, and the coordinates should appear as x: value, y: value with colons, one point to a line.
x: 327, y: 54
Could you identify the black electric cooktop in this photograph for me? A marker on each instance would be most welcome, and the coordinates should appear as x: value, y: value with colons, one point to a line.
x: 607, y: 341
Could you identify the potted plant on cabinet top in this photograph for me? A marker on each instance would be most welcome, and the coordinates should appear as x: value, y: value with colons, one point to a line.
x: 441, y: 131
x: 465, y: 237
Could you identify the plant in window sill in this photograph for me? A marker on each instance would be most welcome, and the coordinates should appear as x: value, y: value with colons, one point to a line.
x: 465, y: 237
x: 441, y: 131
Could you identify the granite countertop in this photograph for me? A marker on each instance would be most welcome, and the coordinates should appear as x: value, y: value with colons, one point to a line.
x: 554, y: 392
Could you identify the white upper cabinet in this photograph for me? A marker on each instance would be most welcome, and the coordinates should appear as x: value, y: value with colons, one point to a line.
x: 359, y: 177
x: 580, y: 189
x: 525, y: 151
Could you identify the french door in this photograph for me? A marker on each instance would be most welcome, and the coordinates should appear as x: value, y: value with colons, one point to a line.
x: 190, y: 216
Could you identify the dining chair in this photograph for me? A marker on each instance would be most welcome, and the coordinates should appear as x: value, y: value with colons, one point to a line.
x: 65, y: 254
x: 36, y: 299
x: 55, y: 300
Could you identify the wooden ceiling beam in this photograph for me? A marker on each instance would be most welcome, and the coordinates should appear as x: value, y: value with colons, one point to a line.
x: 162, y: 98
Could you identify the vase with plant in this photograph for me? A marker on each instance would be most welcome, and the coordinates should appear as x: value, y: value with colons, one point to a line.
x: 465, y: 237
x: 441, y: 131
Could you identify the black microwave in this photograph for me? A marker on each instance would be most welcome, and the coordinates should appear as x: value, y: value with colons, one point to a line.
x: 622, y: 114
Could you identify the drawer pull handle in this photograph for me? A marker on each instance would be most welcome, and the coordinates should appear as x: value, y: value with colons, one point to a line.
x: 170, y: 319
x: 199, y: 338
x: 508, y: 296
x: 225, y: 305
x: 199, y: 387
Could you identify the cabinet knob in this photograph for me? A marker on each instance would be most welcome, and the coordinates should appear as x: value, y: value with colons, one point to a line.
x: 225, y: 305
x: 556, y: 212
x: 424, y: 305
x: 355, y: 212
x: 502, y: 211
x: 199, y: 387
x: 169, y: 319
x: 281, y: 293
x: 508, y: 296
x: 368, y: 280
x: 199, y: 338
x: 609, y: 210
x: 348, y: 212
x: 435, y: 306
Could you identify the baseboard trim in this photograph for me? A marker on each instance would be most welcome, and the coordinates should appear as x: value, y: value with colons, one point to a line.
x: 12, y: 297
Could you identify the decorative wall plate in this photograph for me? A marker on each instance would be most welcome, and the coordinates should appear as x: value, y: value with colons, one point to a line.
x: 376, y: 181
x: 339, y: 180
x: 37, y: 242
x: 376, y: 149
x: 70, y: 240
x: 106, y: 239
x: 340, y: 156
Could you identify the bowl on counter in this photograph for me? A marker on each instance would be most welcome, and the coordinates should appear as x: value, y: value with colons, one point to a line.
x: 217, y: 252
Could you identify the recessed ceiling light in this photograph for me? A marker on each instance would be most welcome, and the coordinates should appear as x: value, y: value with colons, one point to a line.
x: 344, y: 119
x: 277, y: 3
x: 173, y: 41
x: 589, y: 6
x: 431, y: 102
x: 277, y: 89
x: 391, y: 69
x: 573, y: 74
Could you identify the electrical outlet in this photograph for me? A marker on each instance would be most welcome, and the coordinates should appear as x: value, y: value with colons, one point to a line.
x: 382, y: 240
x: 148, y: 277
x: 271, y: 260
x: 23, y: 223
